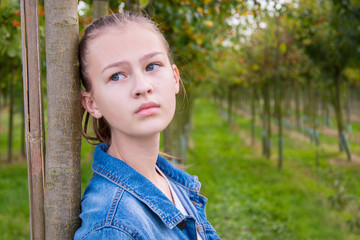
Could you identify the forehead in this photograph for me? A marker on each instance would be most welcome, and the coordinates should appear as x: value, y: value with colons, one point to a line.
x: 126, y: 40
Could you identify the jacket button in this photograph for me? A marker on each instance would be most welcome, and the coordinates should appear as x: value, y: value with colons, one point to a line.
x: 181, y: 225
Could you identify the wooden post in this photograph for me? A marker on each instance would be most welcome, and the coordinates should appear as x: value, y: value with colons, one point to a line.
x: 33, y: 116
x: 100, y: 9
x: 62, y: 167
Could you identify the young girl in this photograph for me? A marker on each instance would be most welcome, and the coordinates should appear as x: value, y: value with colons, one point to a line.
x: 130, y: 88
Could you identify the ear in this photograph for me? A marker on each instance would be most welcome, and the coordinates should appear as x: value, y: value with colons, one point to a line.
x: 89, y: 104
x: 176, y: 78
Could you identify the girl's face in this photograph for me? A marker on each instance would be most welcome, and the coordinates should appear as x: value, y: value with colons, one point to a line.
x: 133, y: 82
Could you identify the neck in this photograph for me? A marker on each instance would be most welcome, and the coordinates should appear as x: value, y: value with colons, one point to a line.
x: 139, y: 153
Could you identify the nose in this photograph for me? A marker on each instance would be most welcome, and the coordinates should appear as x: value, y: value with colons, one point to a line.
x: 142, y: 85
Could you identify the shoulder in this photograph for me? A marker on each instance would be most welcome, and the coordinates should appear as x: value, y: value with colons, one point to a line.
x: 113, y: 232
x: 110, y: 209
x: 100, y: 194
x: 105, y: 214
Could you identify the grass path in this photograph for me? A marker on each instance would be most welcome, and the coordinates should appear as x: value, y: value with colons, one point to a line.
x: 328, y: 137
x: 250, y: 199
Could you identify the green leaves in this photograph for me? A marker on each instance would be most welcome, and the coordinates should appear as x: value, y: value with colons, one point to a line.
x: 144, y: 3
x: 10, y: 34
x: 283, y: 47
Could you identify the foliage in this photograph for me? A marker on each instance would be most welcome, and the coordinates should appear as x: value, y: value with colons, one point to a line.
x: 10, y: 31
x: 329, y: 34
x: 10, y: 43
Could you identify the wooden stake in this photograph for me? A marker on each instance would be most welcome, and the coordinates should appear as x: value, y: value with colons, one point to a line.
x: 33, y: 116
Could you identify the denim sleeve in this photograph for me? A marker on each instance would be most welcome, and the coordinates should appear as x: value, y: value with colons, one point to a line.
x: 109, y: 234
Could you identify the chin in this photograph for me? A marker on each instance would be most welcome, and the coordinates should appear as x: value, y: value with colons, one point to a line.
x: 152, y: 129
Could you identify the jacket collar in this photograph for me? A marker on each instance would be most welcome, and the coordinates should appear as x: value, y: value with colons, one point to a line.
x: 140, y: 187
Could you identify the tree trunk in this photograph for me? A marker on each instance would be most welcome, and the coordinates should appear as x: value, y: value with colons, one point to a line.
x: 176, y: 135
x: 11, y: 116
x: 266, y: 135
x: 62, y: 168
x: 297, y: 109
x: 315, y: 117
x: 263, y: 132
x: 253, y: 115
x: 348, y: 111
x: 317, y: 140
x: 229, y: 104
x: 150, y: 8
x: 1, y: 96
x: 133, y: 5
x: 268, y: 125
x: 327, y: 115
x: 100, y: 8
x: 279, y: 115
x: 33, y: 116
x: 313, y: 99
x: 343, y: 143
x: 307, y: 110
x: 287, y: 102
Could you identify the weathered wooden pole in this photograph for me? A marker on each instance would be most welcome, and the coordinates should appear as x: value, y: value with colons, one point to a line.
x: 134, y: 5
x: 33, y: 116
x: 100, y: 8
x: 62, y: 163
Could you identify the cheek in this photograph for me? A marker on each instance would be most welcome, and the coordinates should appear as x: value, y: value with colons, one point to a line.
x: 168, y: 84
x: 171, y: 91
x: 110, y: 100
x: 172, y: 109
x: 168, y: 93
x: 171, y: 101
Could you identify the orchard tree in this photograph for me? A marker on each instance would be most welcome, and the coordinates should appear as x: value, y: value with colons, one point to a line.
x: 329, y: 39
x: 62, y: 168
x: 10, y: 60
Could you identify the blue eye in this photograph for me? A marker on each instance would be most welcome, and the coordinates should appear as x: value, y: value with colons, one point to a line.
x: 152, y: 67
x: 117, y: 76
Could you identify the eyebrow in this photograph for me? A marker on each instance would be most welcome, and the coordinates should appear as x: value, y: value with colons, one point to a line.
x: 117, y: 64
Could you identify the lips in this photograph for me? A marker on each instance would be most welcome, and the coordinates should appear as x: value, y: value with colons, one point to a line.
x: 147, y: 109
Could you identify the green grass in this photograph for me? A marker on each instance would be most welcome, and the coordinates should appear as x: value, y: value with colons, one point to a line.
x: 355, y: 126
x: 14, y: 203
x: 14, y: 212
x: 249, y: 198
x: 17, y: 135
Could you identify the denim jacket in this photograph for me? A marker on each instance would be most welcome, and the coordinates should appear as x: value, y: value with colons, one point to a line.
x: 120, y: 203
